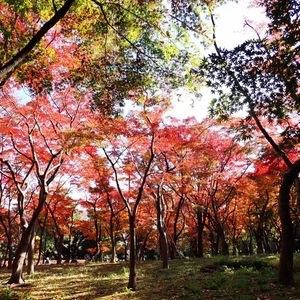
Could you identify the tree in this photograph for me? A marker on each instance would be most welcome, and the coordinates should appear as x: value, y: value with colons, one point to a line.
x: 34, y: 148
x: 261, y: 76
x: 137, y: 164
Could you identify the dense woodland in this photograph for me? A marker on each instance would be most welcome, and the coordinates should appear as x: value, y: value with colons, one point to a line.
x: 82, y: 179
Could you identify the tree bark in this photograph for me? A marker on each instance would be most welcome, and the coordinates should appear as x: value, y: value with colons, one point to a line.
x: 112, y: 240
x: 18, y: 263
x: 30, y: 255
x: 132, y: 258
x: 59, y: 248
x: 287, y: 236
x: 163, y: 241
x: 222, y: 244
x: 200, y: 228
x: 42, y: 227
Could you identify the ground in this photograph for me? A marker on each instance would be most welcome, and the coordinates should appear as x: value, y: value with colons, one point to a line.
x: 209, y: 278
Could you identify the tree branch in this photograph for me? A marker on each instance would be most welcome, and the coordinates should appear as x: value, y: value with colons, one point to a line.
x: 20, y: 57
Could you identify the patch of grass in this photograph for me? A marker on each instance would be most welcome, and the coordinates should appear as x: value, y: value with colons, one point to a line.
x: 215, y: 281
x: 7, y: 294
x: 208, y: 278
x: 239, y: 262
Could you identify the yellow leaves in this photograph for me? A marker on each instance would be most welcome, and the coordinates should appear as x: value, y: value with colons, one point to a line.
x: 134, y: 34
x: 51, y: 53
x: 170, y: 51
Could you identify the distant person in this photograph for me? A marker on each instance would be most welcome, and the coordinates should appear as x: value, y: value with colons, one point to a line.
x: 48, y: 261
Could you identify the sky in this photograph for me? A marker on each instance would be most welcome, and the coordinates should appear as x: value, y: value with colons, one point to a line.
x: 230, y: 32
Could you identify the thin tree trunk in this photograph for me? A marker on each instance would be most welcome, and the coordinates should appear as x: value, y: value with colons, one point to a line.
x: 143, y: 246
x: 10, y: 253
x: 163, y: 241
x: 60, y: 243
x: 200, y: 228
x: 41, y: 238
x: 112, y: 240
x: 132, y: 258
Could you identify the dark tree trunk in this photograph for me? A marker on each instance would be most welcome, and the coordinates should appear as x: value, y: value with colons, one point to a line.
x: 132, y: 258
x: 43, y: 227
x: 10, y: 254
x: 259, y: 242
x: 112, y: 240
x: 200, y: 228
x: 287, y: 236
x: 213, y: 244
x: 222, y: 244
x: 143, y: 246
x: 251, y: 252
x: 8, y: 233
x: 59, y: 249
x: 173, y: 248
x: 164, y: 250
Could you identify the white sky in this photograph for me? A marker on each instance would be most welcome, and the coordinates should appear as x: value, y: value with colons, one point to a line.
x: 230, y: 32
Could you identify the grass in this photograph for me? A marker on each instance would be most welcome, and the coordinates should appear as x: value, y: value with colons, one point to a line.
x: 241, y: 278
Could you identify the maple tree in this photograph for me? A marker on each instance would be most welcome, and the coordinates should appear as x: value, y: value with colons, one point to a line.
x: 103, y: 204
x: 137, y: 163
x: 34, y: 147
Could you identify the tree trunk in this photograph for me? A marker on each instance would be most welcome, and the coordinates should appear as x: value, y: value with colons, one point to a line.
x: 132, y: 258
x: 259, y: 242
x: 59, y: 248
x: 286, y: 253
x: 113, y: 246
x: 200, y: 228
x: 18, y: 263
x: 43, y: 230
x: 163, y: 241
x: 234, y: 246
x: 10, y: 254
x: 164, y: 251
x: 172, y: 249
x: 30, y: 254
x: 143, y: 246
x: 222, y: 244
x: 112, y: 240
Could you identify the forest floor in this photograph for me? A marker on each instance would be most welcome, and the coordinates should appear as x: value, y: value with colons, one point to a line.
x: 241, y: 278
